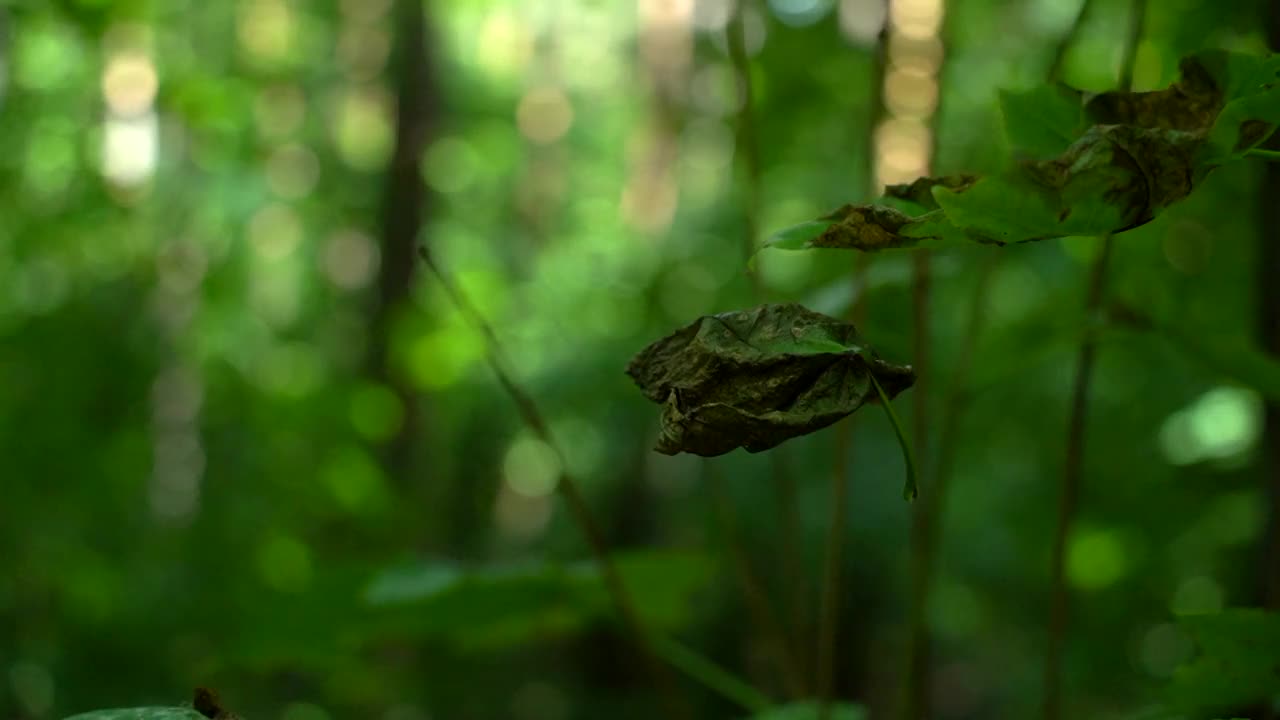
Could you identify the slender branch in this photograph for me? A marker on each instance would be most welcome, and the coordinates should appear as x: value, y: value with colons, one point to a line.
x: 748, y: 150
x: 933, y: 508
x: 1268, y: 329
x: 918, y: 700
x: 762, y: 611
x: 1268, y: 155
x: 710, y: 675
x: 1073, y: 466
x: 829, y: 609
x: 569, y: 491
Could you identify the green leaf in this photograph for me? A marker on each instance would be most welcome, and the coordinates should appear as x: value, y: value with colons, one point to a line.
x: 143, y: 713
x: 812, y: 710
x: 1238, y: 664
x: 499, y: 606
x: 1043, y: 121
x: 798, y: 237
x: 756, y: 378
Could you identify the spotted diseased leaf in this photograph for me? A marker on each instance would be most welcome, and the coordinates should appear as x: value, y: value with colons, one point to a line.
x: 919, y: 193
x: 1107, y: 164
x: 756, y: 378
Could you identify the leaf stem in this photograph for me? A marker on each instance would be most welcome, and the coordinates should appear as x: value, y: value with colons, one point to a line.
x: 910, y: 490
x: 1268, y: 155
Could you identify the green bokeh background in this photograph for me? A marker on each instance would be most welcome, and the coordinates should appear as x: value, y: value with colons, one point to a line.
x: 208, y: 476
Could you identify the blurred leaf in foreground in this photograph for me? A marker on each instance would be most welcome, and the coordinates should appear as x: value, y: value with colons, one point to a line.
x: 1238, y: 664
x: 491, y: 606
x: 145, y: 713
x: 756, y: 378
x: 812, y: 710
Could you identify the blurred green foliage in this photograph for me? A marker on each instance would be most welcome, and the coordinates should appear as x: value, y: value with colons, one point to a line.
x: 201, y: 482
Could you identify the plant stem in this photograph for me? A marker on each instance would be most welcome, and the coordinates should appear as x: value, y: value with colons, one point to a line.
x: 569, y: 491
x: 1268, y: 155
x: 747, y: 148
x: 1073, y: 465
x: 829, y: 608
x: 762, y: 611
x: 1268, y: 329
x: 710, y: 675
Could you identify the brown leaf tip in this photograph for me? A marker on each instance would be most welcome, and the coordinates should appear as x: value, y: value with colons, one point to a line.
x: 206, y: 703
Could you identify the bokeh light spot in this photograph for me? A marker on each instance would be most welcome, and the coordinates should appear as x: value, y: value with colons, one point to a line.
x: 544, y: 114
x: 285, y: 563
x: 376, y: 412
x: 354, y: 479
x: 1222, y: 424
x: 266, y: 29
x: 275, y: 231
x: 1163, y: 648
x: 350, y: 259
x: 450, y: 165
x: 1096, y: 559
x: 362, y: 127
x: 531, y: 467
x: 1196, y: 595
x: 32, y: 686
x: 280, y: 110
x: 292, y: 171
x: 129, y: 83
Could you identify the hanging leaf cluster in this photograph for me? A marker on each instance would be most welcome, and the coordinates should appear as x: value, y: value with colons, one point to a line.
x: 755, y: 378
x: 1085, y: 164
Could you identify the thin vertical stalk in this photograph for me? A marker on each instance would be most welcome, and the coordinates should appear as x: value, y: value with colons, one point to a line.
x: 934, y: 504
x: 1268, y: 312
x: 829, y: 608
x: 747, y: 147
x: 405, y: 203
x: 757, y: 600
x: 1269, y: 333
x: 918, y: 699
x: 1073, y: 465
x: 567, y: 488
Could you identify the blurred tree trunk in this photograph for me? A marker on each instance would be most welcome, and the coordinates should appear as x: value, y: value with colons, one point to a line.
x: 405, y: 205
x: 1268, y: 267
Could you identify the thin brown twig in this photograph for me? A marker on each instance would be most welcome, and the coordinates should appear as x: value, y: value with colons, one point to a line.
x: 829, y: 608
x: 758, y: 604
x: 934, y: 504
x: 568, y: 489
x: 748, y: 149
x: 1073, y: 466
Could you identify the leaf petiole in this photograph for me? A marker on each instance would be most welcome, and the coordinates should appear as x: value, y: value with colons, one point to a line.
x: 911, y: 490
